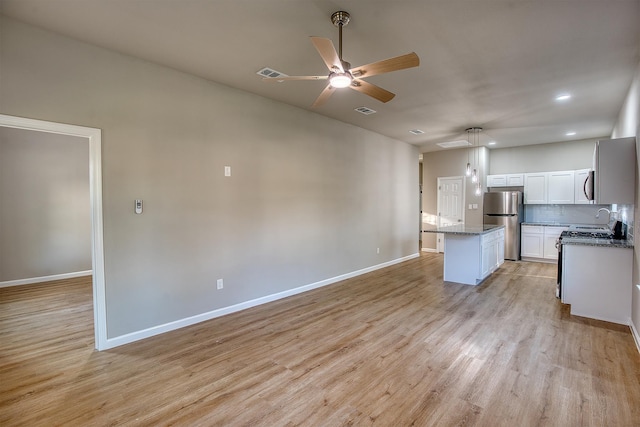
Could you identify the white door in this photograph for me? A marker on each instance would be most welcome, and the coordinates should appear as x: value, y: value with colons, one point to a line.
x: 450, y: 204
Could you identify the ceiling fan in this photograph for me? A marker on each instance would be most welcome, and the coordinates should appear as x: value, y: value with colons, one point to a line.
x: 342, y: 75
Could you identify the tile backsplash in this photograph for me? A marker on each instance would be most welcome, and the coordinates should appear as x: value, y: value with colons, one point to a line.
x: 580, y: 214
x: 566, y: 214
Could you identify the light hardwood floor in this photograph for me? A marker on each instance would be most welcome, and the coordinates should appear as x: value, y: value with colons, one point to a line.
x: 395, y: 347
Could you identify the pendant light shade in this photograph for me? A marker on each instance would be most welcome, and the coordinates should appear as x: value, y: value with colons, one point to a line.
x: 473, y: 136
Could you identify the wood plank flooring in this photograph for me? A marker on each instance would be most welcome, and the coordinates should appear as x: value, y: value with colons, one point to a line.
x: 395, y: 347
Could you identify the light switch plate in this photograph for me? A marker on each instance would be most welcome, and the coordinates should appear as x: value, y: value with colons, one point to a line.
x: 227, y: 171
x: 138, y: 206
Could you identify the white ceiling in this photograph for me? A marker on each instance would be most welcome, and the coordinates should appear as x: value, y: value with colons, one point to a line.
x: 497, y: 64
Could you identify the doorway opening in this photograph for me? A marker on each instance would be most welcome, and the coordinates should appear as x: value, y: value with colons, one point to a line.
x: 93, y: 137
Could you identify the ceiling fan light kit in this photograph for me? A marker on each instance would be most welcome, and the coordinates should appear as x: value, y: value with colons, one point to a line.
x: 340, y: 80
x: 341, y: 75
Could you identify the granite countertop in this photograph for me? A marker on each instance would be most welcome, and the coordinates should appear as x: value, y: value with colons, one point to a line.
x: 587, y: 241
x: 546, y: 224
x: 461, y: 229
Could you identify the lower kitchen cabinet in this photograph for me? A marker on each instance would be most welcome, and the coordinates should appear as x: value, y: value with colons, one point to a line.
x: 597, y: 282
x: 492, y: 252
x: 538, y: 243
x: 551, y: 234
x: 531, y: 241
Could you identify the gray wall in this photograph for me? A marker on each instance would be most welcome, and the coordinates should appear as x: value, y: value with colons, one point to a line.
x: 309, y: 198
x: 559, y: 156
x: 628, y: 124
x: 45, y: 222
x: 443, y: 164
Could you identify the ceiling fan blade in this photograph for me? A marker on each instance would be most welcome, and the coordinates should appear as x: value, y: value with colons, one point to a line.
x: 372, y: 90
x: 328, y: 53
x: 283, y: 78
x: 387, y: 65
x: 324, y: 96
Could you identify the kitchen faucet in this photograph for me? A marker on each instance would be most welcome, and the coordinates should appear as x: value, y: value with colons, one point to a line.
x: 603, y: 209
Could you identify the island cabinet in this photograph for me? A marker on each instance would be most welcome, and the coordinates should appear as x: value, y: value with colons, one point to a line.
x: 470, y: 258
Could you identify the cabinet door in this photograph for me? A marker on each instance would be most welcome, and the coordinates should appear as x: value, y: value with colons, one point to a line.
x: 488, y: 258
x: 561, y: 188
x: 515, y: 180
x: 496, y: 180
x: 535, y: 188
x: 531, y: 245
x: 500, y: 251
x: 550, y: 251
x: 580, y: 176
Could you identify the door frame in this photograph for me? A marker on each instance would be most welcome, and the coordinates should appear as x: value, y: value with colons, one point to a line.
x: 94, y: 138
x: 440, y: 236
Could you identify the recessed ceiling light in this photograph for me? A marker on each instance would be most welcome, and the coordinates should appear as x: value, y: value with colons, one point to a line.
x: 563, y: 97
x: 416, y: 131
x: 570, y: 133
x: 492, y: 143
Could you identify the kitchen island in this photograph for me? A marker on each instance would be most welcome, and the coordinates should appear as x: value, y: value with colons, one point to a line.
x: 471, y: 252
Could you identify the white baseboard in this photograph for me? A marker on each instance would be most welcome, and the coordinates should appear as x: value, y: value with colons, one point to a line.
x: 636, y: 336
x: 45, y: 278
x: 432, y: 250
x: 160, y: 329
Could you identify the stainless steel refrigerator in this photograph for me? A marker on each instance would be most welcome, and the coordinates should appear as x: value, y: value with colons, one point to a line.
x: 505, y: 208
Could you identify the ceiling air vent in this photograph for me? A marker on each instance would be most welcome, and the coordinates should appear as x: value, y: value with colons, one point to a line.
x: 268, y: 72
x: 365, y: 110
x: 452, y: 144
x: 416, y: 131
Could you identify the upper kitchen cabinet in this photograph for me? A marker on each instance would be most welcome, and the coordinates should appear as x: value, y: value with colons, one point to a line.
x: 614, y: 163
x: 579, y: 188
x: 535, y: 188
x: 561, y: 188
x: 505, y: 180
x: 549, y: 188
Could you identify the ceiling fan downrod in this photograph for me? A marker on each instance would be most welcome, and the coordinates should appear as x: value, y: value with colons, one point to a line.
x: 340, y: 19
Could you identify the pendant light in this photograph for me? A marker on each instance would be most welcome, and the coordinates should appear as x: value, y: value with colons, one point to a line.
x: 473, y: 136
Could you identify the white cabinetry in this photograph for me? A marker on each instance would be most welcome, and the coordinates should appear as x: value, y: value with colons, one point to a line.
x: 561, y: 188
x: 469, y: 259
x: 506, y: 180
x: 531, y: 241
x: 593, y: 290
x: 538, y: 243
x: 496, y: 180
x: 535, y: 188
x: 580, y: 177
x: 551, y: 234
x: 492, y: 252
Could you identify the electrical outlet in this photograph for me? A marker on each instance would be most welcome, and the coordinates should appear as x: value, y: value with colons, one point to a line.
x: 220, y: 284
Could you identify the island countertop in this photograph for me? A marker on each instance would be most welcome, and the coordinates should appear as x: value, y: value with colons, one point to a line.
x: 461, y: 229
